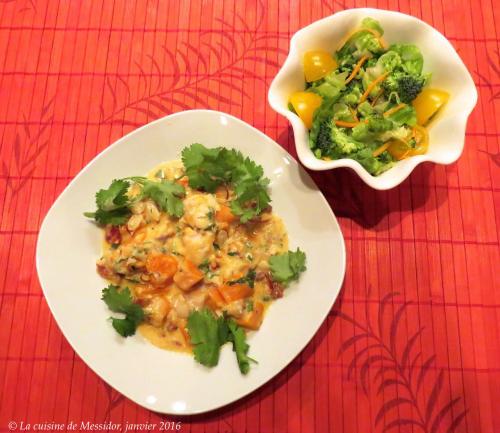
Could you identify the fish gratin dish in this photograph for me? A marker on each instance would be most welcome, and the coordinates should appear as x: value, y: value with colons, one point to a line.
x: 194, y: 256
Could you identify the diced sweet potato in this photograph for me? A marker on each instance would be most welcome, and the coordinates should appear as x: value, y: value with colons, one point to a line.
x: 214, y: 299
x: 253, y: 319
x: 233, y: 292
x: 224, y: 215
x: 187, y: 275
x: 164, y: 264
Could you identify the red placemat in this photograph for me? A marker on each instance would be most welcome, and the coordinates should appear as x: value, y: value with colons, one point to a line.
x: 412, y: 343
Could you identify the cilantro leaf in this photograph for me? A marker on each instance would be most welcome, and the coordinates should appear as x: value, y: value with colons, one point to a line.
x: 208, y: 168
x: 125, y: 327
x: 114, y: 197
x: 114, y: 217
x: 112, y: 204
x: 120, y: 301
x: 207, y: 335
x: 287, y: 267
x: 240, y: 346
x: 251, y: 199
x: 167, y: 195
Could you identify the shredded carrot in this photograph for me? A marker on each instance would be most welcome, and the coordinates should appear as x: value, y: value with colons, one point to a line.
x: 356, y: 69
x: 394, y: 109
x: 343, y: 124
x: 185, y: 334
x: 381, y: 149
x: 353, y: 114
x: 372, y: 86
x: 379, y: 94
x: 373, y: 32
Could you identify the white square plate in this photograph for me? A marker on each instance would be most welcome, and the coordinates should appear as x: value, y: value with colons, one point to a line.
x: 69, y: 245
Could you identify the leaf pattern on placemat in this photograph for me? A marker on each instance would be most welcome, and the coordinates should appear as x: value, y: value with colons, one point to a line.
x: 494, y: 65
x: 334, y: 5
x: 27, y: 147
x: 114, y: 399
x: 202, y: 75
x: 495, y: 157
x: 396, y: 366
x: 25, y: 5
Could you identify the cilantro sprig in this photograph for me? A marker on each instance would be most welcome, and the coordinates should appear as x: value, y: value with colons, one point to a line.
x: 166, y: 194
x: 240, y: 346
x: 288, y: 266
x: 114, y: 203
x: 120, y: 301
x: 208, y: 168
x: 209, y: 333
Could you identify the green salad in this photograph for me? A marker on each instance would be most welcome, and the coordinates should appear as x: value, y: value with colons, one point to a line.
x: 368, y: 101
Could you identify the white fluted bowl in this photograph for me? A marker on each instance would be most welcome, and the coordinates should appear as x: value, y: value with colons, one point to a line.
x: 447, y: 133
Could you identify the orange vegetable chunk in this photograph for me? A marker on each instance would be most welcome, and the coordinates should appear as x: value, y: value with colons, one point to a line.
x: 187, y: 275
x: 233, y: 292
x: 253, y: 319
x: 225, y: 215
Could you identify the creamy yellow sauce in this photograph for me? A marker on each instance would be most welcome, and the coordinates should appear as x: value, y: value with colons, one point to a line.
x: 161, y: 258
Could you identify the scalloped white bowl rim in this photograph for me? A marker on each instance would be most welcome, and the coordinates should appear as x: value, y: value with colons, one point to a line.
x: 447, y: 132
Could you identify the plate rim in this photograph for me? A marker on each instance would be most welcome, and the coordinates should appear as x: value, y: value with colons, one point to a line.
x: 267, y: 378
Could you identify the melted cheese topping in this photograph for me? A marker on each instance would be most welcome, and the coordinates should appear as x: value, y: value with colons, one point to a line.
x: 174, y: 266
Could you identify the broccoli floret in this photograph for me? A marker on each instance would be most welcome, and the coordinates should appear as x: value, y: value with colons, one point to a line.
x: 365, y: 109
x: 324, y: 137
x: 389, y: 61
x: 352, y: 96
x: 370, y: 23
x: 409, y: 87
x: 344, y: 143
x: 370, y: 131
x: 406, y: 86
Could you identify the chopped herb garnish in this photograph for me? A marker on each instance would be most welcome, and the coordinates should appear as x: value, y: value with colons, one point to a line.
x: 209, y: 333
x: 204, y: 266
x: 287, y: 267
x: 209, y: 168
x: 249, y: 305
x: 120, y: 301
x: 113, y: 204
x: 249, y: 279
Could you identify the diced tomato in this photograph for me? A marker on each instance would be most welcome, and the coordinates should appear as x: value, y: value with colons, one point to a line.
x: 112, y: 235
